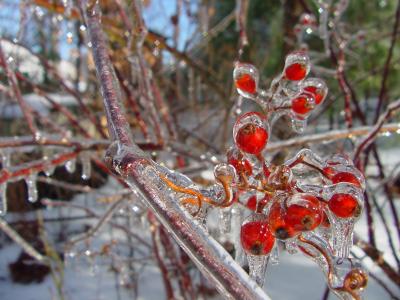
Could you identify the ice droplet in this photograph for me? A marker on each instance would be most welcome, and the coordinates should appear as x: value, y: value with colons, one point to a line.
x: 298, y: 125
x: 274, y: 256
x: 225, y: 217
x: 5, y: 158
x: 237, y: 220
x: 291, y: 246
x: 257, y: 267
x: 3, y: 199
x: 31, y: 188
x: 86, y: 165
x: 70, y: 165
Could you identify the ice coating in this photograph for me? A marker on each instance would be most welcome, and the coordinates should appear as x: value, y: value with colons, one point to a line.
x: 246, y: 79
x: 31, y: 188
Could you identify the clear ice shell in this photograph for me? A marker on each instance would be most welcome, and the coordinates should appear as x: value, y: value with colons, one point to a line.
x: 242, y: 69
x: 319, y: 84
x: 298, y: 125
x: 274, y: 255
x: 224, y: 171
x: 297, y: 57
x: 257, y: 267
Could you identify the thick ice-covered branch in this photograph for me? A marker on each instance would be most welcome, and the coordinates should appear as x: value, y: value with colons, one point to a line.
x: 140, y: 173
x: 332, y: 136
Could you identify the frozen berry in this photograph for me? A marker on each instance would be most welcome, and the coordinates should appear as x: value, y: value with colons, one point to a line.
x: 277, y: 223
x: 256, y: 238
x: 246, y: 83
x: 246, y: 77
x: 344, y: 205
x: 302, y: 104
x: 304, y: 212
x: 296, y: 71
x: 251, y: 138
x: 346, y: 177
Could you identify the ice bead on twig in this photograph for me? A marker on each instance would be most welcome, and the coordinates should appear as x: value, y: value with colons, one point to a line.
x: 31, y: 188
x: 86, y: 165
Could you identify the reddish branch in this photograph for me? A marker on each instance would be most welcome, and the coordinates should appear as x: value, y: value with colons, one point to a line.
x: 25, y: 108
x: 377, y: 257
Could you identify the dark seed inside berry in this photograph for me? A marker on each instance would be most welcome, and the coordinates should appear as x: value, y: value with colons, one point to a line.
x: 281, y: 233
x: 256, y: 249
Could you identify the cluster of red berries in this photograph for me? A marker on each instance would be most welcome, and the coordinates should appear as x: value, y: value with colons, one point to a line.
x: 291, y: 92
x: 286, y: 207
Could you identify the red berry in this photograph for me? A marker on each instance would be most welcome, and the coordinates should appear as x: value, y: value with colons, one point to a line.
x: 344, y: 205
x: 251, y: 138
x: 246, y: 83
x: 296, y: 71
x: 252, y: 203
x: 346, y: 177
x: 242, y: 166
x: 302, y: 105
x: 318, y: 94
x: 305, y: 214
x: 277, y: 223
x: 256, y: 239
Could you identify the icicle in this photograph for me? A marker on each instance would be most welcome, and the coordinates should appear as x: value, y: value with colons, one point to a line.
x: 225, y: 217
x: 31, y: 188
x: 342, y: 225
x: 70, y: 165
x: 86, y: 165
x: 299, y: 125
x: 274, y: 256
x: 237, y: 220
x: 291, y: 246
x: 257, y: 267
x: 3, y: 199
